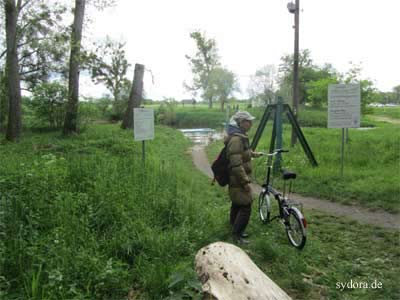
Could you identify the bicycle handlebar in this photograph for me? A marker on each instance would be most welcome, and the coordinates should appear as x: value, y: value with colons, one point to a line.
x: 276, y: 151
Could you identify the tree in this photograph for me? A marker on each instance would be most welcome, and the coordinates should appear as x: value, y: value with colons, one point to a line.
x: 109, y: 65
x: 396, y: 94
x: 48, y: 103
x: 313, y: 78
x: 202, y: 63
x: 222, y: 83
x: 3, y: 100
x: 41, y: 41
x: 318, y: 91
x: 12, y: 70
x: 262, y: 84
x: 34, y: 29
x: 369, y: 93
x: 71, y: 116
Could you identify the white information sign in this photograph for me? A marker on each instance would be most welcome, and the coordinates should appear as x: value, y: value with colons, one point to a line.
x: 344, y: 105
x: 143, y: 125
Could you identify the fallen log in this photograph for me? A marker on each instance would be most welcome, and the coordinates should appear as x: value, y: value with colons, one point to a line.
x: 227, y: 273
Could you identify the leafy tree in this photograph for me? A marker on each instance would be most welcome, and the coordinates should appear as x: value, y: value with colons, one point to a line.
x: 368, y: 92
x: 261, y: 86
x: 222, y: 83
x: 308, y: 71
x: 48, y: 103
x: 42, y: 41
x: 34, y: 49
x: 318, y: 91
x: 202, y: 63
x: 108, y: 65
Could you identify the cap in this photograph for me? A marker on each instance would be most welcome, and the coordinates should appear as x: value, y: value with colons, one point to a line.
x: 243, y: 115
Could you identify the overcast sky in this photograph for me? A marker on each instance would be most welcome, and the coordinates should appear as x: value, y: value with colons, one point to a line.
x: 250, y: 34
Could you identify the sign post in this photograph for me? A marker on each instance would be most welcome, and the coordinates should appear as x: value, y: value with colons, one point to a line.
x: 143, y: 126
x: 344, y: 103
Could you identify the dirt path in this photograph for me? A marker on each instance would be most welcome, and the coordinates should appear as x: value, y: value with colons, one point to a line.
x: 358, y: 213
x: 386, y: 119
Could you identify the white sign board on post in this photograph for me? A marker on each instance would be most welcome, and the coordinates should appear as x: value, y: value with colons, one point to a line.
x: 143, y: 124
x: 344, y: 106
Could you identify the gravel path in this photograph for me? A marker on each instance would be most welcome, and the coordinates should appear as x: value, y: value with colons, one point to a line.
x: 358, y: 213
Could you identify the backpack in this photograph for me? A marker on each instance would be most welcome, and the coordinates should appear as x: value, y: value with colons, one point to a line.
x: 220, y: 167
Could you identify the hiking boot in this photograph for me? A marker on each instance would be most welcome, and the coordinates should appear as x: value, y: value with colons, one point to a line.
x: 240, y: 240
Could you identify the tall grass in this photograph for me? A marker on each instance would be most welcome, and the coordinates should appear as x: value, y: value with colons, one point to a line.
x: 84, y: 219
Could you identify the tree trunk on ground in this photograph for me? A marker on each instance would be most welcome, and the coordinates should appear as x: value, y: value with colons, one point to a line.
x: 135, y: 96
x: 227, y: 273
x: 71, y: 116
x: 12, y: 72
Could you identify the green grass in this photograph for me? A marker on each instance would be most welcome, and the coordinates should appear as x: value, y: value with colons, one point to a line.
x: 391, y: 112
x: 80, y: 218
x: 371, y: 165
x: 84, y: 219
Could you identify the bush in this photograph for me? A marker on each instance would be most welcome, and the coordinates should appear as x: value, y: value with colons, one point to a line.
x: 49, y: 103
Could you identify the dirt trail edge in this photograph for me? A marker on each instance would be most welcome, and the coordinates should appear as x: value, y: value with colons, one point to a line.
x: 358, y: 213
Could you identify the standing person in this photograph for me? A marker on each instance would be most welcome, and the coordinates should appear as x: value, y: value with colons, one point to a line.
x: 239, y: 155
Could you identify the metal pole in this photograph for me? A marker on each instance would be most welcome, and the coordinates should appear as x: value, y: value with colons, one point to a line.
x: 143, y: 153
x: 342, y: 159
x: 296, y: 86
x: 279, y: 142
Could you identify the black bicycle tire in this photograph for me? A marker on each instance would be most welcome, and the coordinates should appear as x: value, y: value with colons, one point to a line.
x: 303, y: 231
x: 261, y: 199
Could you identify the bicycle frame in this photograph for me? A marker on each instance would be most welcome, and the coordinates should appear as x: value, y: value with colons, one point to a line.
x: 268, y: 187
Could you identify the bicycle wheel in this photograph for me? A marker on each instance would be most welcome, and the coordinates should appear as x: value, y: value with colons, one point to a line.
x: 264, y: 207
x: 296, y: 228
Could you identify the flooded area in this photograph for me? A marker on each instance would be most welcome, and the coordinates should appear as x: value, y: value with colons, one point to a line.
x: 202, y: 136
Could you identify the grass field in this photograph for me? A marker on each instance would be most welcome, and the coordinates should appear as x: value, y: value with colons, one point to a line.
x: 82, y: 219
x: 391, y: 112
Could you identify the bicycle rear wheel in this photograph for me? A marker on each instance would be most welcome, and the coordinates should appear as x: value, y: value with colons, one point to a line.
x: 296, y: 228
x: 264, y: 207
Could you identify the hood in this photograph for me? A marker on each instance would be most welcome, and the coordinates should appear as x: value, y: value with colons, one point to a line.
x: 233, y: 129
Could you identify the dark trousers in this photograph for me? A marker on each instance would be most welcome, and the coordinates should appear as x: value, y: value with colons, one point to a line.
x: 239, y: 218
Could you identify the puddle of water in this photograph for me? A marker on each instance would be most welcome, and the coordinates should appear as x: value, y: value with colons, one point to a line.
x: 202, y: 136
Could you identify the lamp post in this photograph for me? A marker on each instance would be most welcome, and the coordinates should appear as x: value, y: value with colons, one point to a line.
x: 294, y: 8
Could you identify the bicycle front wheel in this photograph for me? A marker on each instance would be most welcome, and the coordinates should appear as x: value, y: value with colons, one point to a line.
x: 296, y: 228
x: 264, y: 207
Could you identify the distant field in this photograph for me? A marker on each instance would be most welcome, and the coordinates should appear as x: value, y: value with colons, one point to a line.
x: 392, y: 112
x: 190, y: 116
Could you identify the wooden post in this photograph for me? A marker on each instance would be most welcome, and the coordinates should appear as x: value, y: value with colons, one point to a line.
x: 296, y: 83
x: 135, y: 96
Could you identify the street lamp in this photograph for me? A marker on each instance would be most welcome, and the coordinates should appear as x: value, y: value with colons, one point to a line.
x: 293, y: 8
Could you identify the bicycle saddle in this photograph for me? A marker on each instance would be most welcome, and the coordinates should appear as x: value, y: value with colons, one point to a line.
x: 286, y: 174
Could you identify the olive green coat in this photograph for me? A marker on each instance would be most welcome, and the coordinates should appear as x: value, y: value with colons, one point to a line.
x: 239, y: 155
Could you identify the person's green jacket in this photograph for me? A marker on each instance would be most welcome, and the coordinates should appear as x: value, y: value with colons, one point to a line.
x: 239, y: 154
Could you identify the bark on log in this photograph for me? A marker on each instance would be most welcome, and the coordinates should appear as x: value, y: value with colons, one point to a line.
x: 227, y: 273
x: 135, y: 96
